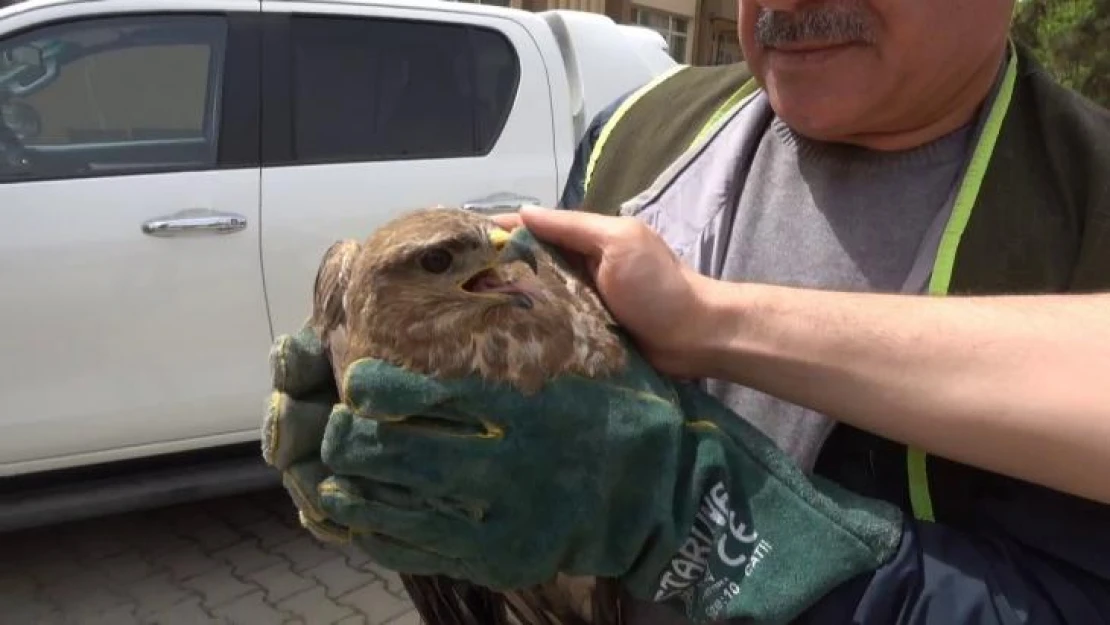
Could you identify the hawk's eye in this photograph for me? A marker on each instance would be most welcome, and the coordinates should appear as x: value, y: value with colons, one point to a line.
x: 435, y: 261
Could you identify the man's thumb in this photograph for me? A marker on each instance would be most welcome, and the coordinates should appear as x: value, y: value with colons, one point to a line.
x: 581, y: 232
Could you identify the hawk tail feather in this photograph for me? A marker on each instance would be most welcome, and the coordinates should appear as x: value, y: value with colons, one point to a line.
x: 441, y: 600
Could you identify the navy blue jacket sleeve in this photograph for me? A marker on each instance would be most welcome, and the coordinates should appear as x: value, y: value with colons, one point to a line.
x: 945, y: 576
x: 574, y: 191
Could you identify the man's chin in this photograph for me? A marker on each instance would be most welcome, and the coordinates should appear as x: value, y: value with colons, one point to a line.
x: 813, y: 114
x: 815, y: 125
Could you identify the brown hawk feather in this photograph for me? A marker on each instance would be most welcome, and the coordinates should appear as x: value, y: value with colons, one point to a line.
x: 431, y: 291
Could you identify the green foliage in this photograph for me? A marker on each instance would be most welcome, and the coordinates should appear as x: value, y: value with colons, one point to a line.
x: 1071, y: 38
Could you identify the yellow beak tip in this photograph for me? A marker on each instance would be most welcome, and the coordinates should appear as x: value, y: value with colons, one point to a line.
x: 498, y: 238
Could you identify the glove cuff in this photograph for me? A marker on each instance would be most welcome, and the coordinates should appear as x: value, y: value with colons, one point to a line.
x: 752, y: 537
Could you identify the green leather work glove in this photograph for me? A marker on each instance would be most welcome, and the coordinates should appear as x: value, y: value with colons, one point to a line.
x: 302, y: 396
x: 636, y: 478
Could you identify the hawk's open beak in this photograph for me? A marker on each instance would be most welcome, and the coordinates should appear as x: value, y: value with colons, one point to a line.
x: 512, y: 249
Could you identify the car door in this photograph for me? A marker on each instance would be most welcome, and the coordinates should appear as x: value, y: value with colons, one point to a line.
x: 371, y: 110
x: 133, y: 316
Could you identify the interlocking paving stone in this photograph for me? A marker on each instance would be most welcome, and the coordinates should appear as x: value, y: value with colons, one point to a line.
x: 314, y: 606
x: 227, y: 560
x: 377, y: 604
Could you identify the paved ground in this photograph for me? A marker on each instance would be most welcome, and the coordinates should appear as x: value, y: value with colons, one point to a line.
x: 233, y: 560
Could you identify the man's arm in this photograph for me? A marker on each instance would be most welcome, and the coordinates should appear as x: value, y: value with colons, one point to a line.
x: 991, y: 382
x: 940, y: 575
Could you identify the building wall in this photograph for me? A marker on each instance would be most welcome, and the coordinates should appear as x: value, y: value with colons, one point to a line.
x: 717, y: 41
x: 676, y: 20
x: 591, y: 6
x: 676, y: 7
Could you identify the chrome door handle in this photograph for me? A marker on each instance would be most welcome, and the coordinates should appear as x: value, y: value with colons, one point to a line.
x: 194, y: 221
x: 500, y: 203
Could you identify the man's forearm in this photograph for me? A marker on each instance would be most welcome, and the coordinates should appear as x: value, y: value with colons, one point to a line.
x: 1016, y: 385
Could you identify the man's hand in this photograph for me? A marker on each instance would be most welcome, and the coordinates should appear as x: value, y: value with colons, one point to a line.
x: 655, y: 298
x: 986, y: 381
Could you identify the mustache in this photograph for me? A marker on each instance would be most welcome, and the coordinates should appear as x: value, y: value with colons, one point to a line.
x: 822, y: 23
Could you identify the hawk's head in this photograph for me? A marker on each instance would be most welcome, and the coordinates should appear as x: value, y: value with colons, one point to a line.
x: 448, y: 292
x: 452, y: 261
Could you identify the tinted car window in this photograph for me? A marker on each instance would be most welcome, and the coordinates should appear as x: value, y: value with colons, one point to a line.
x: 112, y: 95
x: 378, y: 89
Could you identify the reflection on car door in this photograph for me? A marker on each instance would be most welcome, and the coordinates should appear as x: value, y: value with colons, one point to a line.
x: 129, y: 186
x: 403, y: 109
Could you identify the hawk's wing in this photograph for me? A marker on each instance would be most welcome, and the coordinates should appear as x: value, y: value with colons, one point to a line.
x: 329, y: 314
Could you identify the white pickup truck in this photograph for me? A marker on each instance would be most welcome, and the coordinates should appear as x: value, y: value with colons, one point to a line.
x: 171, y: 173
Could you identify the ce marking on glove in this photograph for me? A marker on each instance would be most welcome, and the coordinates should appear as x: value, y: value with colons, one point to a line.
x: 706, y: 551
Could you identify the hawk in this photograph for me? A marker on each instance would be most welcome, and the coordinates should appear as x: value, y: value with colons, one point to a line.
x: 447, y: 293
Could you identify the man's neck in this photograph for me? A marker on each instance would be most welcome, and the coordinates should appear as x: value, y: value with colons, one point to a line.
x: 957, y: 113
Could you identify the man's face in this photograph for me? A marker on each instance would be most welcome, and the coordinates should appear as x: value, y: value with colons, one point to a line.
x: 836, y: 69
